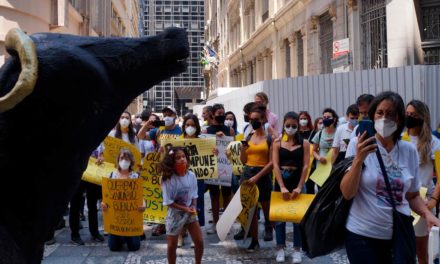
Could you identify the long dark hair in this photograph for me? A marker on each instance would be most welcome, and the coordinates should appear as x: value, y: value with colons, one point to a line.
x: 131, y: 132
x: 125, y: 153
x: 294, y: 116
x: 235, y: 121
x: 309, y: 123
x: 166, y: 166
x: 399, y: 107
x: 195, y: 120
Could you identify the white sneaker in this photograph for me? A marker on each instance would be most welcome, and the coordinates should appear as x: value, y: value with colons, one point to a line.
x: 296, y: 257
x: 180, y: 241
x: 211, y: 230
x: 281, y: 257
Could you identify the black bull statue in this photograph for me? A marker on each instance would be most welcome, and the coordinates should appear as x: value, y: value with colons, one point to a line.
x: 60, y: 95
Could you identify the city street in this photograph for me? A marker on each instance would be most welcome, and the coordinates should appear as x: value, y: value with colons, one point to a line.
x: 153, y: 250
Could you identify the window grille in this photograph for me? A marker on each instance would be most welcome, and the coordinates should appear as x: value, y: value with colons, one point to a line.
x: 326, y: 42
x: 431, y: 31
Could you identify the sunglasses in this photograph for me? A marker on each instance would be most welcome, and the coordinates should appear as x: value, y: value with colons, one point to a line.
x: 291, y: 126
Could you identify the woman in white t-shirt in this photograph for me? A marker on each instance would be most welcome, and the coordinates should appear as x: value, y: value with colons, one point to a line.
x: 124, y: 130
x: 418, y: 122
x: 370, y: 221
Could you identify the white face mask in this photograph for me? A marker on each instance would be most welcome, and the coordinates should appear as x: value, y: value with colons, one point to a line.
x: 169, y: 121
x: 124, y: 164
x: 290, y: 131
x: 320, y: 126
x: 385, y: 127
x: 138, y: 120
x: 229, y: 123
x: 124, y: 123
x: 303, y: 122
x: 190, y: 130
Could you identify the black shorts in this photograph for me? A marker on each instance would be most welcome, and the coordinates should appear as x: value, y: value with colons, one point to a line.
x: 264, y: 184
x: 214, y: 190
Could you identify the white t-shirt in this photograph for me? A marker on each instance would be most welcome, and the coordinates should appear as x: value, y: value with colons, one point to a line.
x: 342, y: 137
x: 371, y: 212
x: 180, y: 189
x: 427, y: 169
x: 146, y: 146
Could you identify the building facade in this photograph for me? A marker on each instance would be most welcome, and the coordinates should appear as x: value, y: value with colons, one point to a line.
x: 78, y: 17
x: 260, y: 40
x: 184, y: 89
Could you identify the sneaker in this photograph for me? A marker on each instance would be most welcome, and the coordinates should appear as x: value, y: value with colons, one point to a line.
x: 253, y: 246
x: 192, y: 244
x: 296, y: 257
x: 211, y: 230
x: 77, y: 241
x: 239, y: 235
x: 97, y: 238
x: 180, y: 241
x: 281, y: 257
x: 268, y: 233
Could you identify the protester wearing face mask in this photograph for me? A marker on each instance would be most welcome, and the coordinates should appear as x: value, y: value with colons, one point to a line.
x: 290, y: 157
x: 262, y: 99
x: 418, y: 123
x: 218, y: 128
x: 125, y: 171
x: 370, y: 221
x: 305, y: 129
x: 343, y: 134
x: 231, y: 121
x: 323, y: 140
x: 124, y: 130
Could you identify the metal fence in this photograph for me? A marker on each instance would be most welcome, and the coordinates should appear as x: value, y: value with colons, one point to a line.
x: 314, y: 93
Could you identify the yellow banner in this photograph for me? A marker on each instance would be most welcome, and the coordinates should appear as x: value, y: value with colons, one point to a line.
x: 202, y: 159
x: 94, y: 173
x: 291, y: 210
x: 249, y: 200
x: 437, y: 163
x: 322, y: 171
x: 112, y: 147
x: 310, y: 162
x: 233, y: 154
x: 155, y: 212
x: 123, y: 198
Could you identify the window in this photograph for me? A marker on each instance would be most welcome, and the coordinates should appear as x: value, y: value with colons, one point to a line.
x: 287, y: 57
x: 300, y: 53
x: 326, y: 42
x: 265, y: 10
x: 374, y: 37
x: 431, y: 31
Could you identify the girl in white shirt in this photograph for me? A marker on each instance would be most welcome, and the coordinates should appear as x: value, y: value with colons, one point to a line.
x: 418, y: 122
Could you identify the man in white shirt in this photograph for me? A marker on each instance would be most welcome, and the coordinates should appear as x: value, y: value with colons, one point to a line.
x: 343, y: 133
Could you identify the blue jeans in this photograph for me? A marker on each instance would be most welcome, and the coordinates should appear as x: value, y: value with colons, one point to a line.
x: 115, y: 242
x: 280, y: 234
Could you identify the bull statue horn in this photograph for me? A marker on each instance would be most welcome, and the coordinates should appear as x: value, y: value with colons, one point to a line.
x: 18, y: 41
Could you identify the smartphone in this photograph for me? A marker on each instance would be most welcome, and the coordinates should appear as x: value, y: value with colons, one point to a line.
x: 244, y: 143
x: 366, y: 125
x: 158, y: 123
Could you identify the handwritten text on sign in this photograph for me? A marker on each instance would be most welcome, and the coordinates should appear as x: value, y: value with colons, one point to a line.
x: 201, y: 157
x: 291, y: 210
x: 155, y: 212
x: 249, y: 200
x: 123, y: 198
x: 233, y: 153
x: 224, y: 166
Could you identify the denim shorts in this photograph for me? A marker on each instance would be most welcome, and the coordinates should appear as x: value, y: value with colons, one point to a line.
x: 264, y: 184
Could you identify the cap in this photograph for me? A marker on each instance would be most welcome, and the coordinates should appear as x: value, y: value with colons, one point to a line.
x: 170, y: 108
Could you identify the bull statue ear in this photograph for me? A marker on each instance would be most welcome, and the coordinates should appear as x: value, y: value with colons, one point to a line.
x: 17, y: 41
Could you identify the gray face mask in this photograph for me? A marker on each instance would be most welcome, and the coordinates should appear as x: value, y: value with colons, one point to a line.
x: 385, y: 127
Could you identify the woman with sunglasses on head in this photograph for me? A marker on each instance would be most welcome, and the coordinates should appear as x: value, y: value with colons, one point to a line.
x: 418, y: 123
x: 290, y: 157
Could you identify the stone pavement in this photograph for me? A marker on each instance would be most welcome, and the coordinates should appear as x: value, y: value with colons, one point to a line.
x: 153, y: 250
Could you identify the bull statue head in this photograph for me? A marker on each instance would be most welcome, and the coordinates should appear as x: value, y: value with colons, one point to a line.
x: 60, y: 95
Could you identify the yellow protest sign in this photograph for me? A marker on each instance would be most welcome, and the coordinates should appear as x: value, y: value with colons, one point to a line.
x: 112, y: 147
x: 437, y: 163
x: 155, y: 211
x: 310, y: 162
x: 322, y: 171
x: 201, y: 157
x: 422, y: 192
x: 239, y: 137
x: 249, y: 200
x: 291, y: 210
x: 123, y: 198
x: 94, y: 173
x: 233, y: 154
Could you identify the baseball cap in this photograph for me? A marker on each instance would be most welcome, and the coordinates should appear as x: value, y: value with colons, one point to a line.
x: 169, y: 108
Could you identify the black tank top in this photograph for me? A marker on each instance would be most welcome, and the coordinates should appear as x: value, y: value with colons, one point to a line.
x: 294, y: 158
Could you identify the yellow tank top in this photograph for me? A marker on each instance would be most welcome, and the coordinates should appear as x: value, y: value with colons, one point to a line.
x: 257, y: 155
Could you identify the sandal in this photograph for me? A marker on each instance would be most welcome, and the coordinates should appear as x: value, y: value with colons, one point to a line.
x: 158, y: 230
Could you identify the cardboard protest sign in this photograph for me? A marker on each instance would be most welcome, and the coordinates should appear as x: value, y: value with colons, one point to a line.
x: 437, y: 163
x: 224, y: 166
x: 94, y: 173
x: 201, y: 157
x: 422, y: 192
x: 322, y: 171
x: 123, y: 198
x: 228, y: 217
x: 112, y: 147
x: 155, y: 211
x: 291, y: 210
x: 249, y: 201
x: 233, y: 154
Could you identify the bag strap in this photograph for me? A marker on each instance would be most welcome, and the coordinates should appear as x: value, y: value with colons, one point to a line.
x: 385, y: 177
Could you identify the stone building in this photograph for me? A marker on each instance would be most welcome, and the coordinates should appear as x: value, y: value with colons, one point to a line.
x: 78, y: 17
x: 260, y: 40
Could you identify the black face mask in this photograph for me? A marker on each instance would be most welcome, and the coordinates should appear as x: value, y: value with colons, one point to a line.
x: 256, y: 124
x: 412, y: 122
x: 220, y: 119
x: 246, y: 118
x: 327, y: 122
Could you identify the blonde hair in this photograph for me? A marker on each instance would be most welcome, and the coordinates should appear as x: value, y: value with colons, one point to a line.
x: 425, y: 137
